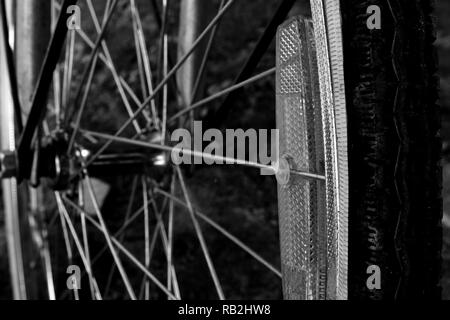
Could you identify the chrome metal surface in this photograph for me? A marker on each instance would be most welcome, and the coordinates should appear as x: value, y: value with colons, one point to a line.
x: 9, y: 186
x: 32, y: 34
x: 193, y: 19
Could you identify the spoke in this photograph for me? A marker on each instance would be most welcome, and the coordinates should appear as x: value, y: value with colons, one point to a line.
x: 65, y: 236
x: 151, y: 248
x: 57, y: 74
x: 108, y: 64
x: 140, y: 64
x: 153, y: 241
x: 120, y: 232
x: 308, y: 175
x: 222, y: 93
x: 106, y: 10
x: 163, y: 59
x: 185, y: 151
x: 170, y: 233
x: 113, y: 68
x: 127, y: 253
x: 57, y: 94
x: 176, y: 287
x: 205, y: 58
x: 198, y: 154
x: 82, y: 106
x: 68, y: 72
x: 84, y: 234
x: 89, y: 138
x: 261, y: 47
x: 94, y: 53
x: 48, y: 272
x: 143, y: 54
x: 165, y: 64
x: 160, y: 228
x: 161, y: 25
x: 146, y: 235
x: 200, y: 237
x: 160, y: 224
x: 121, y: 236
x: 161, y: 20
x: 109, y: 10
x: 220, y: 229
x: 171, y: 276
x: 108, y: 239
x: 166, y: 79
x: 87, y: 266
x: 100, y: 30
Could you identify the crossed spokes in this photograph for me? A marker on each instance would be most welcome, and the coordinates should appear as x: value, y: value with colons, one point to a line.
x: 151, y: 102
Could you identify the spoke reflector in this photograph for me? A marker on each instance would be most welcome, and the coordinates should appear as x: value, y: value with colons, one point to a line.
x: 302, y: 210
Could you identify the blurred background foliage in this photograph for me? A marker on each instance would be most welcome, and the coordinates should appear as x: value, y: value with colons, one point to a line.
x: 240, y: 199
x: 443, y: 47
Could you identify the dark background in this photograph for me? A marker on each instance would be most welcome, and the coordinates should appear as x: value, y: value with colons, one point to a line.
x: 443, y: 46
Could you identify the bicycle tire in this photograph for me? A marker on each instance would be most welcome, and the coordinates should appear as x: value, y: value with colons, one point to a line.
x: 395, y: 206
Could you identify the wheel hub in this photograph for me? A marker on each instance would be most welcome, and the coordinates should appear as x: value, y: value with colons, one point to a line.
x: 51, y: 161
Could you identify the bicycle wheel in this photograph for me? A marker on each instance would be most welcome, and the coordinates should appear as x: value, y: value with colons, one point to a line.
x: 109, y: 116
x: 122, y: 136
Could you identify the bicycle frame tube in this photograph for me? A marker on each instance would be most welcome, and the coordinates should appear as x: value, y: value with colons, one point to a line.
x: 10, y: 188
x: 32, y: 33
x: 39, y: 102
x: 7, y: 36
x: 193, y: 15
